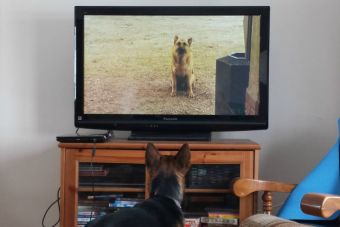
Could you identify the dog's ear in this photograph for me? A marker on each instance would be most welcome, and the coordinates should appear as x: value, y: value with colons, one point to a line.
x: 175, y: 39
x: 183, y: 157
x: 190, y: 41
x: 152, y: 156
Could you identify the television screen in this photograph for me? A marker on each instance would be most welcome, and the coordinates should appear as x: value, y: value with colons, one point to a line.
x: 170, y: 67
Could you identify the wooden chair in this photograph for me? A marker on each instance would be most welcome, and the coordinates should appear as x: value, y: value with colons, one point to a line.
x: 322, y: 205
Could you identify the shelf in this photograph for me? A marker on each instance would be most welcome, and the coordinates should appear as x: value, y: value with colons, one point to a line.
x: 110, y: 189
x: 119, y: 189
x: 207, y: 190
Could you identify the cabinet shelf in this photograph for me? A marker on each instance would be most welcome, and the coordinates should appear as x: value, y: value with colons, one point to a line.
x: 206, y: 190
x: 109, y: 189
x: 127, y: 189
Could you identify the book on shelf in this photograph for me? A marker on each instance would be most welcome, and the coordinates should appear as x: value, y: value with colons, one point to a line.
x: 91, y: 207
x: 222, y: 213
x: 105, y: 197
x: 87, y: 213
x: 206, y: 221
x: 89, y: 167
x: 219, y: 221
x: 90, y: 204
x: 94, y: 173
x: 84, y: 220
x: 194, y: 214
x: 125, y: 202
x: 192, y: 222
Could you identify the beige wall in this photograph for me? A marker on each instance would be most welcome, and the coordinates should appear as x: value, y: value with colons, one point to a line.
x: 36, y: 94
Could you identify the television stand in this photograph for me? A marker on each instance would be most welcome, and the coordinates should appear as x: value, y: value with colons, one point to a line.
x: 170, y: 136
x: 119, y: 167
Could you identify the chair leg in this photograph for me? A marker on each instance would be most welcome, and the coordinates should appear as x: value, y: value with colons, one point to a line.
x: 267, y: 200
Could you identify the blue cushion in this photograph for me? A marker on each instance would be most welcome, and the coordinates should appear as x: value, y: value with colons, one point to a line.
x: 324, y: 178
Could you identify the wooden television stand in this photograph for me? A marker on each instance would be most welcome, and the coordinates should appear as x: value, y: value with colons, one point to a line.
x: 117, y: 167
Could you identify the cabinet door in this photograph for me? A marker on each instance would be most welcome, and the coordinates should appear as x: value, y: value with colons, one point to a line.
x: 245, y: 163
x: 72, y: 159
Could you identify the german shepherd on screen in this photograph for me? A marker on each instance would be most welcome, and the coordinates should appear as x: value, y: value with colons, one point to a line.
x: 182, y: 65
x: 163, y: 208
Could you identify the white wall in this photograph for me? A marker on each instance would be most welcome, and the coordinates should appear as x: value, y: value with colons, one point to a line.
x: 36, y: 94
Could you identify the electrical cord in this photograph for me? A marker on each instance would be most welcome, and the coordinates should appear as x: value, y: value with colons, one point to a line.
x: 57, y: 201
x: 54, y: 202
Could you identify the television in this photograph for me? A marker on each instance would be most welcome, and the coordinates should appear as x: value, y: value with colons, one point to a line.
x: 171, y: 71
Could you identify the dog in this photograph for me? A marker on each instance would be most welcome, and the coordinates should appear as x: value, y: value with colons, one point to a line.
x: 182, y: 65
x: 162, y: 209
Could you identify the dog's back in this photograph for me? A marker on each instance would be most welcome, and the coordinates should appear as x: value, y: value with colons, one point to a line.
x: 157, y: 211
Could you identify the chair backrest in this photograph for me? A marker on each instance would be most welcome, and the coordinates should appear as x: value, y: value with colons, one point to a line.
x: 339, y: 143
x: 324, y: 178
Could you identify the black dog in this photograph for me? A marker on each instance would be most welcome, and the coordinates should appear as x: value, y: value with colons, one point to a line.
x: 163, y: 208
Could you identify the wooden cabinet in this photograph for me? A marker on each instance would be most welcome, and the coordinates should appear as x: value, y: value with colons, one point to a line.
x: 243, y: 154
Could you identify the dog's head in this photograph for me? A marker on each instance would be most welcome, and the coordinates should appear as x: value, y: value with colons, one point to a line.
x: 182, y: 46
x: 167, y: 172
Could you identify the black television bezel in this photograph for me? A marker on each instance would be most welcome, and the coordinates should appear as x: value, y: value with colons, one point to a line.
x: 144, y: 122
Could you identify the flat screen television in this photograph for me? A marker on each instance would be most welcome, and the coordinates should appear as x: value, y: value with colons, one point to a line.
x: 171, y: 70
